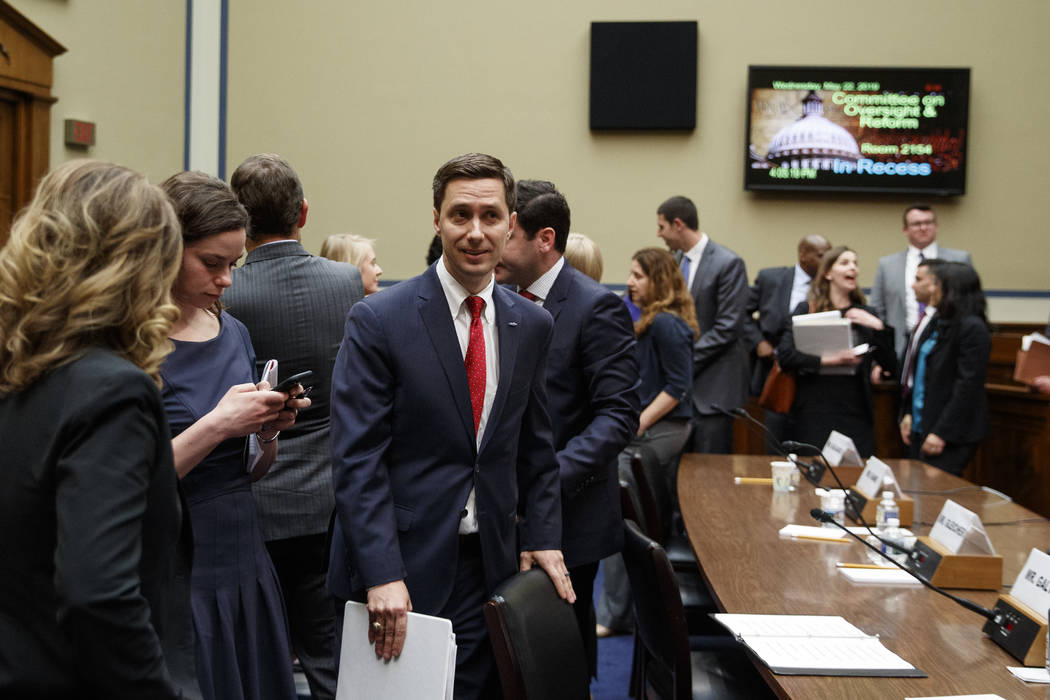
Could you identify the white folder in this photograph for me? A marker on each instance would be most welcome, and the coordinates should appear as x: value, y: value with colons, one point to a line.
x: 425, y: 670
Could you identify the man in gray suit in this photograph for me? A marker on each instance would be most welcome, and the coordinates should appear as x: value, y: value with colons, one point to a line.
x: 295, y: 306
x: 717, y: 279
x: 892, y: 295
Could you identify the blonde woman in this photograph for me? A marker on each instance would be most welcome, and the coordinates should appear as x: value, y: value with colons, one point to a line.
x: 584, y: 254
x: 358, y: 251
x: 92, y: 579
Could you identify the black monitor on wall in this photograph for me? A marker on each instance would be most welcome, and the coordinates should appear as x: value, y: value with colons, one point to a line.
x: 643, y: 75
x: 862, y: 129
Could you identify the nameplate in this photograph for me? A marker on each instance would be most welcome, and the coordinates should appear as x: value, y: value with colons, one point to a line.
x: 960, y: 531
x: 873, y: 479
x: 1032, y: 586
x: 839, y: 450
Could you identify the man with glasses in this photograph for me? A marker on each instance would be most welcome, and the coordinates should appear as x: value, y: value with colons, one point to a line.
x: 892, y: 295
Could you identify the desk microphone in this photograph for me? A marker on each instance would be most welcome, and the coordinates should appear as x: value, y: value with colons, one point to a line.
x: 825, y: 517
x: 812, y: 471
x: 851, y: 504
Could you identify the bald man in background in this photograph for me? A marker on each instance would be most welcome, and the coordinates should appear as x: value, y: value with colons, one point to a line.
x: 776, y: 291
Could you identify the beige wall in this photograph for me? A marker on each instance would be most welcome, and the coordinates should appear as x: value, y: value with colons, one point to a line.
x: 367, y: 99
x: 124, y: 70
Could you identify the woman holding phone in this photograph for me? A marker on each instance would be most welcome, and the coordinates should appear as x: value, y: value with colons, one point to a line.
x: 224, y: 427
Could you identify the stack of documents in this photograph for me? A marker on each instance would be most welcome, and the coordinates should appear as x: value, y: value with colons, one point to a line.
x: 815, y: 645
x: 424, y: 671
x: 823, y: 333
x: 1033, y: 359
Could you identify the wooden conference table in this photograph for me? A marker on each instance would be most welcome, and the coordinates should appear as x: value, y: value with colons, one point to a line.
x: 750, y: 569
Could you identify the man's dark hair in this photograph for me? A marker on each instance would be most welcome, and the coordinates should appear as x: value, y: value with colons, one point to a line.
x: 473, y: 166
x: 271, y: 191
x: 540, y: 205
x: 435, y: 250
x: 917, y: 206
x: 205, y: 205
x: 680, y: 207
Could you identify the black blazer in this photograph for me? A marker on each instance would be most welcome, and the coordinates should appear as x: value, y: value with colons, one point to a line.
x: 804, y: 364
x: 94, y: 555
x: 769, y: 296
x: 592, y: 396
x: 955, y: 404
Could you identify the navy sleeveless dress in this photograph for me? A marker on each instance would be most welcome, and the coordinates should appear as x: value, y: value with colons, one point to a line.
x: 239, y: 619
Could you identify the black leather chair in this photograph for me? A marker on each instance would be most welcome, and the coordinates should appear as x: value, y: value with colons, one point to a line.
x: 674, y: 666
x: 536, y: 641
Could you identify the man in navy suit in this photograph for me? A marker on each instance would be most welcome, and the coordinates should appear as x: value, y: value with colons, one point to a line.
x: 775, y: 293
x: 592, y: 382
x: 444, y: 470
x: 717, y: 279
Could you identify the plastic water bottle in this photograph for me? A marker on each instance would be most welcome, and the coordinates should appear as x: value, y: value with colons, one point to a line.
x: 886, y: 509
x: 837, y: 509
x: 893, y: 534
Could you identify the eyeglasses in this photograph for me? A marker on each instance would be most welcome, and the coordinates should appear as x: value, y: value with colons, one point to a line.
x: 924, y: 222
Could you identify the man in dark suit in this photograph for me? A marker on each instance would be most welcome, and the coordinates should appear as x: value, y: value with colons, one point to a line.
x: 892, y: 294
x: 445, y: 476
x: 592, y: 381
x: 294, y: 305
x: 775, y: 293
x: 717, y: 279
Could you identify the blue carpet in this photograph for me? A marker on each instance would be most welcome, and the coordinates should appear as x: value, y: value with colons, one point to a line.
x: 614, y: 660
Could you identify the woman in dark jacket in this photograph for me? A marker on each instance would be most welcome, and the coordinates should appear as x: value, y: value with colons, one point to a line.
x: 945, y: 414
x: 842, y: 402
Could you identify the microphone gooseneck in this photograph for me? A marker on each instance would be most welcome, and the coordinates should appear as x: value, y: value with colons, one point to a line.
x: 825, y: 517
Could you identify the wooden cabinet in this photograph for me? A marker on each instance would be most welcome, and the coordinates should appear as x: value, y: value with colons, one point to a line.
x: 26, y: 55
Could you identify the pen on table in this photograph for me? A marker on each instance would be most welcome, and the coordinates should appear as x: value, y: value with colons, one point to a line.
x: 819, y: 539
x: 752, y: 480
x: 844, y: 565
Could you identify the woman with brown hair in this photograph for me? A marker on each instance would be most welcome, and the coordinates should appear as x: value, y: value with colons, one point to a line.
x: 94, y: 549
x: 842, y: 402
x: 224, y: 430
x: 666, y: 331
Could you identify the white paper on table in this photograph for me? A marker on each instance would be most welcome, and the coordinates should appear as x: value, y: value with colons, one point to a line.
x: 425, y: 669
x: 810, y: 531
x: 982, y: 696
x: 840, y: 451
x: 1027, y: 340
x: 872, y: 481
x: 1030, y: 675
x: 881, y: 577
x: 811, y: 643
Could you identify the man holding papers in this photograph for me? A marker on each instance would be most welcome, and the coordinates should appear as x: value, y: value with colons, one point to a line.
x: 445, y: 477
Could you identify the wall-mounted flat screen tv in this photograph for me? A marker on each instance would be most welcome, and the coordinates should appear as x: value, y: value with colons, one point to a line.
x: 896, y: 130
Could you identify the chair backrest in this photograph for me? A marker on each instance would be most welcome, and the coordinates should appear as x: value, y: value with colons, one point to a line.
x: 660, y: 618
x: 630, y: 506
x: 653, y: 492
x: 536, y: 640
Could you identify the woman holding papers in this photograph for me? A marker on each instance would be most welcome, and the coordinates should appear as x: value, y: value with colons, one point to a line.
x: 220, y: 418
x: 93, y: 598
x: 666, y: 331
x: 945, y: 414
x: 826, y: 397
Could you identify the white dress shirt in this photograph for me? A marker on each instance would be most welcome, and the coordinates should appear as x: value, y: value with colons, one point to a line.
x: 911, y: 266
x: 694, y: 254
x: 799, y: 288
x: 541, y: 288
x: 456, y: 294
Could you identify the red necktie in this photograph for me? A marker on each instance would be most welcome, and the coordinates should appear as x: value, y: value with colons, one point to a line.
x: 474, y: 361
x: 528, y: 295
